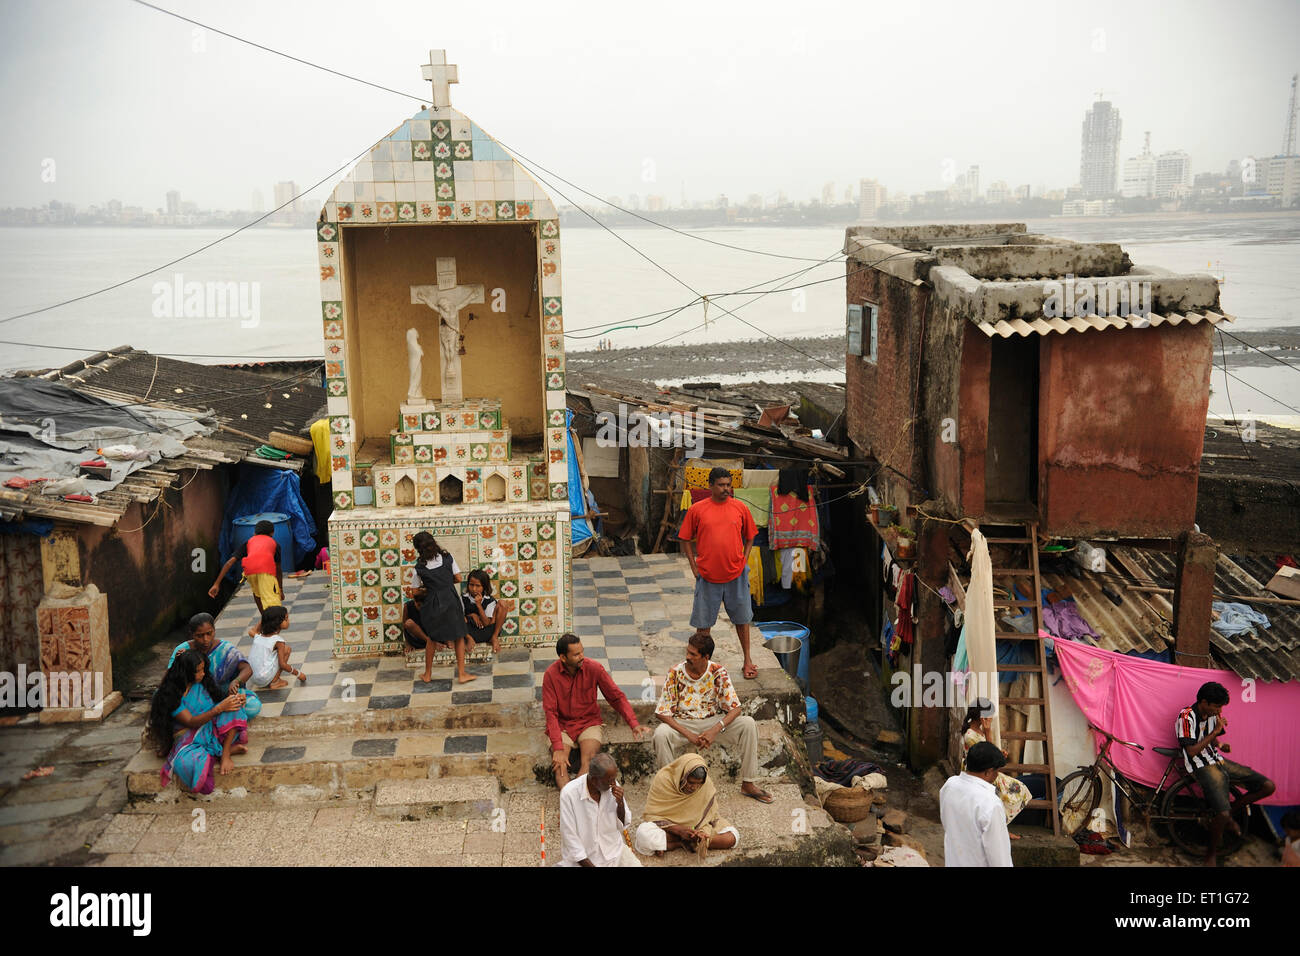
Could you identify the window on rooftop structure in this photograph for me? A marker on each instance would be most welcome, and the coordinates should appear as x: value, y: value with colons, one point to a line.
x: 861, y: 325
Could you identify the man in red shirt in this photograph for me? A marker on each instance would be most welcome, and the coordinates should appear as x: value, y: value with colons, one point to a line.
x: 716, y: 535
x: 572, y: 710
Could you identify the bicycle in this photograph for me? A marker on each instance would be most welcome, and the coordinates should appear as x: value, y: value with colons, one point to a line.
x: 1180, y: 807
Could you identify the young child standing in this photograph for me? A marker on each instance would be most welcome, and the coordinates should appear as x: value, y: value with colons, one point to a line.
x: 260, y: 555
x: 270, y: 654
x: 442, y: 617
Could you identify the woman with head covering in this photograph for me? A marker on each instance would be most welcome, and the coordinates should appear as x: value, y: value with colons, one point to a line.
x: 682, y: 811
x: 977, y: 727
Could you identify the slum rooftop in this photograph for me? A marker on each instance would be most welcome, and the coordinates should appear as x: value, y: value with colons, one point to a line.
x: 1006, y: 279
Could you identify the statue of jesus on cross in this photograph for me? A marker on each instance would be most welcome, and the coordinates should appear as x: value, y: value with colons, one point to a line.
x: 447, y: 299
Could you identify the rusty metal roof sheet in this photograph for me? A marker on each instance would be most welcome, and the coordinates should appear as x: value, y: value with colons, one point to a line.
x: 1271, y: 653
x: 1006, y: 328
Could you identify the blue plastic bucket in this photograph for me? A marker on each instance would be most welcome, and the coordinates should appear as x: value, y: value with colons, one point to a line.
x: 810, y: 705
x: 771, y: 629
x: 245, y: 527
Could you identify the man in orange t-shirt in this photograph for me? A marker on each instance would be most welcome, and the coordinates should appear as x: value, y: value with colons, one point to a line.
x: 716, y: 535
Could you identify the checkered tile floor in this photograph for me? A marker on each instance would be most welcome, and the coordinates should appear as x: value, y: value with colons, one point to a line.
x: 616, y: 601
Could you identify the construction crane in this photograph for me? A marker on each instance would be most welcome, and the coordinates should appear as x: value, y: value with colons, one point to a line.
x: 1288, y: 141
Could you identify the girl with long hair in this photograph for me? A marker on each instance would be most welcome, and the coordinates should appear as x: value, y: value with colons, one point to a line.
x: 442, y: 616
x: 181, y: 719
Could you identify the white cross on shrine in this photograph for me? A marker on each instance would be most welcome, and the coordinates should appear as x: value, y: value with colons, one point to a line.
x: 442, y: 76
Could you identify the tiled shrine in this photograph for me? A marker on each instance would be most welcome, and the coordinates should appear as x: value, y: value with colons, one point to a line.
x: 440, y: 254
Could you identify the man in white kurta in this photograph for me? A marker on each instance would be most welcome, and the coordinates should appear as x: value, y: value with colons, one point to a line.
x: 974, y: 821
x: 593, y: 816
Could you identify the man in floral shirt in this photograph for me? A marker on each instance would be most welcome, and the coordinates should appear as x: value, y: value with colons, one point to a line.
x: 699, y: 706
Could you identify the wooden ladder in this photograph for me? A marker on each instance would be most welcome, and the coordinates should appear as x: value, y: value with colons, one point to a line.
x: 1039, y: 666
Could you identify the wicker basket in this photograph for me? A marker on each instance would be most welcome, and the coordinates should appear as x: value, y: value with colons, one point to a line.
x: 848, y: 804
x: 293, y: 443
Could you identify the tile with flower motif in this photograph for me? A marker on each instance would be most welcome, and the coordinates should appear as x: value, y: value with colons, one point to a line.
x: 471, y: 495
x: 403, y: 455
x: 505, y: 210
x: 369, y: 576
x: 422, y: 150
x: 551, y: 305
x: 343, y: 500
x: 406, y: 212
x: 546, y: 549
x: 423, y: 453
x: 550, y: 229
x: 426, y: 211
x: 327, y: 252
x: 370, y: 596
x: 345, y: 212
x: 352, y: 616
x: 511, y: 627
x: 443, y: 171
x: 390, y: 576
x: 428, y: 495
x: 352, y: 634
x: 486, y: 209
x: 364, y: 211
x: 465, y: 211
x: 333, y: 329
x: 537, y: 489
x: 462, y: 150
x: 390, y: 557
x: 430, y: 421
x: 554, y: 323
x: 527, y: 551
x: 554, y: 345
x: 388, y: 212
x: 555, y: 363
x: 527, y: 625
x: 446, y: 192
x: 331, y: 310
x: 327, y: 231
x: 523, y: 210
x: 336, y: 387
x: 440, y: 129
x: 393, y: 632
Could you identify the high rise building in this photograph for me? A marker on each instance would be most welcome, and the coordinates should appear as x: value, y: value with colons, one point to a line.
x: 999, y: 192
x: 1279, y: 176
x: 1099, y: 160
x: 871, y: 196
x: 1140, y: 174
x: 828, y: 194
x: 173, y: 202
x: 285, y: 193
x: 1173, y: 171
x: 972, y: 184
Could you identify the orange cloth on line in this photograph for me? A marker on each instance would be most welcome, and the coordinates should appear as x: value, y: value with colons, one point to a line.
x: 719, y: 532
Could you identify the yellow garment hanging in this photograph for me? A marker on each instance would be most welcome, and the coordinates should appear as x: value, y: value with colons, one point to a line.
x: 320, y: 439
x: 756, y: 575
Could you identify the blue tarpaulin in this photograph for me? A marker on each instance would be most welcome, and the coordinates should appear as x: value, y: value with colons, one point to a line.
x: 263, y: 489
x: 581, y: 526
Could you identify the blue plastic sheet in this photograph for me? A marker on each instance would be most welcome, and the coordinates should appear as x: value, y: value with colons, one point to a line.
x: 269, y: 489
x: 37, y: 526
x: 581, y: 527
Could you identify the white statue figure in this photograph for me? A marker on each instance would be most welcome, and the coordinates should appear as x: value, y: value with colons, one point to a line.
x: 447, y: 299
x: 414, y: 391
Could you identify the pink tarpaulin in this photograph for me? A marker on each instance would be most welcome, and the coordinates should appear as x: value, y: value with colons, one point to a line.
x: 1139, y: 700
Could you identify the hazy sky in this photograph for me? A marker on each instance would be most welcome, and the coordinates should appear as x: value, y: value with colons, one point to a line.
x: 725, y: 97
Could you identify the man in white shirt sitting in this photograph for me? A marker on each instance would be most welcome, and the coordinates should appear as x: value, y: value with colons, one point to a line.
x: 974, y: 821
x: 593, y: 817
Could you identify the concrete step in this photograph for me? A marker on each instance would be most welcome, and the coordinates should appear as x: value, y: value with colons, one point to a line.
x: 353, y: 760
x: 456, y: 798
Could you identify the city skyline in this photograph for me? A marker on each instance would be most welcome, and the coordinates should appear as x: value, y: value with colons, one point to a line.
x: 762, y: 110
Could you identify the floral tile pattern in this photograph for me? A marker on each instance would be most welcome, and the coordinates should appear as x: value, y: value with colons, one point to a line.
x: 439, y: 168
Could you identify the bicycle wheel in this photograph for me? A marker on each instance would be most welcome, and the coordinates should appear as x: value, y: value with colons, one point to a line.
x: 1185, y: 803
x: 1076, y: 797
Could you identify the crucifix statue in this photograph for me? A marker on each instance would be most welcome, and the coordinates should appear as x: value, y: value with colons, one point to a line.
x: 447, y: 299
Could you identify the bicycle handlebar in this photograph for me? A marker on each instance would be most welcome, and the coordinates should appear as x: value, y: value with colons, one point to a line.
x: 1110, y: 736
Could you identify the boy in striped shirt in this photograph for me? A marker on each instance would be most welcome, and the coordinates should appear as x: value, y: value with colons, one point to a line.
x: 1198, y: 730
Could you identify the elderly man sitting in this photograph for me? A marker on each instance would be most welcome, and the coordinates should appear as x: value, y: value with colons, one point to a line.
x: 593, y: 817
x: 698, y: 706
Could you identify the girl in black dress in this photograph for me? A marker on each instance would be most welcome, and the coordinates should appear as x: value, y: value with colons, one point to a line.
x: 442, y: 617
x: 484, y: 615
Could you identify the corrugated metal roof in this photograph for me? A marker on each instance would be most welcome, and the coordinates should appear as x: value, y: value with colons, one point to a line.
x: 1006, y: 328
x: 1131, y: 625
x: 1271, y: 653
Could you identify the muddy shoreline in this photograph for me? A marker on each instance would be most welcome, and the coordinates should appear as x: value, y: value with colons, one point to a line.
x: 805, y: 356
